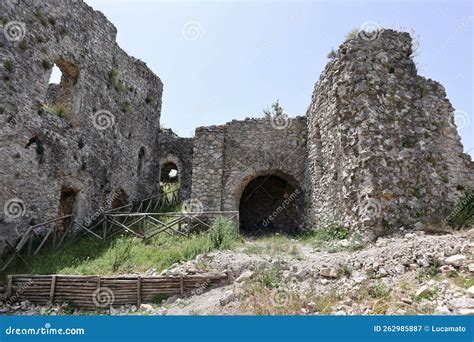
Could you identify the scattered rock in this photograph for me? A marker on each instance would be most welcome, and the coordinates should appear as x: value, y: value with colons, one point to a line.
x: 423, y: 291
x: 146, y: 307
x: 329, y: 272
x: 228, y: 297
x: 244, y: 276
x: 442, y: 310
x: 456, y: 260
x: 447, y: 270
x: 461, y: 303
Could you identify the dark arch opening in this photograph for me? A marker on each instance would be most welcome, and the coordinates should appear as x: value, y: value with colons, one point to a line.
x: 141, y: 161
x: 270, y: 204
x: 67, y: 201
x: 169, y: 173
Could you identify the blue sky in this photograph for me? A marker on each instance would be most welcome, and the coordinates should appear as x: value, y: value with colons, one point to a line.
x: 228, y: 60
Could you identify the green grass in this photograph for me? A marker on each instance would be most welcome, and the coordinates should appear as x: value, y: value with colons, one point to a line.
x: 129, y: 254
x: 8, y: 65
x: 321, y: 237
x: 58, y: 110
x: 273, y: 245
x: 463, y: 282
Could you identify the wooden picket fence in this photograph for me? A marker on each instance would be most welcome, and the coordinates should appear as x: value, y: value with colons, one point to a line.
x: 95, y: 292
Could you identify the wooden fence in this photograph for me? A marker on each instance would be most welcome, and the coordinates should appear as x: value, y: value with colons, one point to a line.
x: 93, y: 292
x: 55, y: 233
x: 146, y: 225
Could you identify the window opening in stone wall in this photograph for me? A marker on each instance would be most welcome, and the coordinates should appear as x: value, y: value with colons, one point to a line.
x: 169, y: 177
x: 61, y: 88
x: 141, y: 161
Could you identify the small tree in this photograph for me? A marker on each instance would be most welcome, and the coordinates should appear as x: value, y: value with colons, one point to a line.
x: 352, y: 34
x: 275, y: 110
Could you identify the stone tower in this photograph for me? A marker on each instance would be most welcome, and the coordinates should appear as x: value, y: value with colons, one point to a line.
x: 383, y: 149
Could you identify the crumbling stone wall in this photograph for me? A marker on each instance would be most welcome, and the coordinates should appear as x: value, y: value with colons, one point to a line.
x: 384, y: 152
x: 103, y: 140
x: 178, y: 151
x: 378, y: 149
x: 227, y: 157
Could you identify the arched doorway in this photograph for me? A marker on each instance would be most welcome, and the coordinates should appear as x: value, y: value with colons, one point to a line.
x: 270, y: 204
x: 169, y: 176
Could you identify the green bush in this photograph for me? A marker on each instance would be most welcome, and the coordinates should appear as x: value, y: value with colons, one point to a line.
x: 223, y: 234
x: 352, y: 34
x: 8, y: 65
x: 330, y: 233
x: 58, y: 110
x: 270, y: 278
x: 126, y: 108
x: 46, y: 64
x: 332, y: 54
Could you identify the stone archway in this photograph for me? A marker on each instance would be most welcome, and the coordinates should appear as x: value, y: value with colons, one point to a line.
x: 169, y: 173
x: 270, y: 203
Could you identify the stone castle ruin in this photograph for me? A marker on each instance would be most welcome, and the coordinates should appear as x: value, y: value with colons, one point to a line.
x: 377, y: 149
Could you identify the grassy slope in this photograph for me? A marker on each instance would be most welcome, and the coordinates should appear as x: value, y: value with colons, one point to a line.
x: 127, y: 254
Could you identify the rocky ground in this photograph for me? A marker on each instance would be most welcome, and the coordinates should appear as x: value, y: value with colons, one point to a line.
x: 411, y: 274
